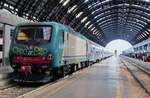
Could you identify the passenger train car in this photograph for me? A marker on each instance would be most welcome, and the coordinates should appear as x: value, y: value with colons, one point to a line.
x: 43, y: 51
x: 140, y: 51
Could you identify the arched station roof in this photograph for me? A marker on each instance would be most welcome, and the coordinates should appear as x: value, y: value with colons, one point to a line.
x: 99, y: 20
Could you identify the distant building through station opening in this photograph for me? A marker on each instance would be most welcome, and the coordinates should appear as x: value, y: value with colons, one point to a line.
x: 117, y: 46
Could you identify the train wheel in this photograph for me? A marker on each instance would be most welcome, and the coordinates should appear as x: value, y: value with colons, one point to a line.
x: 84, y: 64
x: 66, y: 70
x: 55, y: 74
x: 73, y: 67
x: 81, y: 65
x: 87, y: 64
x: 77, y: 67
x: 62, y: 71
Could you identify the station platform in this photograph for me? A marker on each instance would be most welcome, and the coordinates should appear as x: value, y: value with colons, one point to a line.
x: 5, y: 75
x: 107, y: 79
x: 5, y: 69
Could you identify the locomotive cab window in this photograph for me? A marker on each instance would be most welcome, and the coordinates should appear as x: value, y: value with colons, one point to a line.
x: 35, y: 34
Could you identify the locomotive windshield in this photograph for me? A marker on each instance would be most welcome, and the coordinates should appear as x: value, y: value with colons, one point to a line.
x: 33, y: 34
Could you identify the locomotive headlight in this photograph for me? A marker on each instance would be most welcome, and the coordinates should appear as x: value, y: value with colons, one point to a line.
x: 49, y: 57
x: 43, y: 58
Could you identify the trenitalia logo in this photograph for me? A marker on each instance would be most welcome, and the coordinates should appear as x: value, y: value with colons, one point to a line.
x: 29, y: 51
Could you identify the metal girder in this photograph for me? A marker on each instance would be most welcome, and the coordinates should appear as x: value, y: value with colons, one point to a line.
x: 111, y: 26
x: 142, y: 19
x: 79, y: 8
x: 141, y: 33
x: 123, y: 22
x: 127, y: 30
x: 131, y: 25
x: 44, y: 13
x: 2, y: 3
x: 133, y: 16
x: 17, y: 4
x: 131, y: 12
x: 36, y: 13
x: 115, y: 19
x: 119, y: 2
x: 137, y: 16
x: 84, y: 10
x: 113, y: 22
x: 128, y: 27
x: 29, y: 6
x: 22, y: 7
x: 118, y: 7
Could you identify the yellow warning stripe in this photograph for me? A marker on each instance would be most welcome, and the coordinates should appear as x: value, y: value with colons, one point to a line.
x: 118, y: 94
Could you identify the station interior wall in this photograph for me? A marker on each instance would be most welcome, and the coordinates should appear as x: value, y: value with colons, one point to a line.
x: 5, y: 41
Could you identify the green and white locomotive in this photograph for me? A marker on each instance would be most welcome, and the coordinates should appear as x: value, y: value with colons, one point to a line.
x: 43, y: 51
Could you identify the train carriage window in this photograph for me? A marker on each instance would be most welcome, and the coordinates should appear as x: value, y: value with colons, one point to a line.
x: 140, y: 47
x: 1, y: 40
x: 1, y: 47
x: 146, y: 47
x: 135, y: 49
x: 1, y: 33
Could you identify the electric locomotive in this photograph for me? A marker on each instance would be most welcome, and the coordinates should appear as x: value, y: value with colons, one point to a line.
x: 40, y: 52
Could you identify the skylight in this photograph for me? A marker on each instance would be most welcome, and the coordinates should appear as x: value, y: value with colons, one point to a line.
x: 79, y: 14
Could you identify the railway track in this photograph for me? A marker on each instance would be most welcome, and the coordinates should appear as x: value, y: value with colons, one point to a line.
x: 11, y: 89
x: 16, y: 90
x: 144, y: 69
x: 139, y: 72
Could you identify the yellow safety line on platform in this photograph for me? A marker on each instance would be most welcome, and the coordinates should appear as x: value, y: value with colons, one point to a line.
x: 118, y: 94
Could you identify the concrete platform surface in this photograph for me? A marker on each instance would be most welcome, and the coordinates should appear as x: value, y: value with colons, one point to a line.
x: 5, y: 69
x: 107, y: 79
